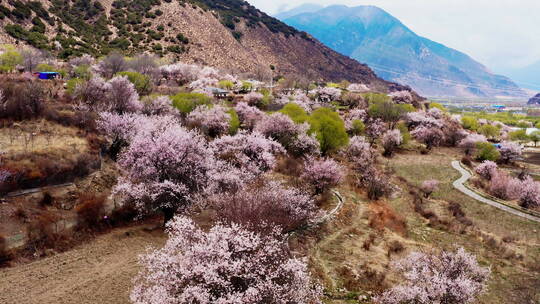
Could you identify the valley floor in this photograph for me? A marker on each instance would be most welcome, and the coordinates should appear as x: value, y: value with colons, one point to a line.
x: 350, y: 254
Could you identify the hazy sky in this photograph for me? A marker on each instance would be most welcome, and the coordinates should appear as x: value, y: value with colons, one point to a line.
x: 499, y: 33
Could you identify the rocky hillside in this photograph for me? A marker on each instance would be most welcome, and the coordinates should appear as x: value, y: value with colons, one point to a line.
x: 535, y: 100
x: 371, y: 35
x: 229, y: 34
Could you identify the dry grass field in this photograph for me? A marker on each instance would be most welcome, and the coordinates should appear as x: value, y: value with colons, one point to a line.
x: 509, y: 244
x: 42, y: 137
x: 98, y: 272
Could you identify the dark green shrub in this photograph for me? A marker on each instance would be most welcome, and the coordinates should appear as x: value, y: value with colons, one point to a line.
x: 230, y: 13
x: 38, y: 25
x: 16, y: 31
x: 237, y: 35
x: 181, y: 38
x: 176, y: 49
x: 20, y: 10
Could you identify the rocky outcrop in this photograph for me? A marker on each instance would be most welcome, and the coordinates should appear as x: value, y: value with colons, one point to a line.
x: 535, y: 100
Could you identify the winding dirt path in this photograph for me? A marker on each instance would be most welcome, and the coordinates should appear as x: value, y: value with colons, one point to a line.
x: 459, y: 185
x: 99, y: 272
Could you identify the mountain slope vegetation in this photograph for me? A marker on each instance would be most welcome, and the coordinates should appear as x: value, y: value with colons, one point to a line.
x: 228, y: 34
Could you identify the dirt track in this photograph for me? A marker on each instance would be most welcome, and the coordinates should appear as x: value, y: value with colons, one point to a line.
x: 98, y: 272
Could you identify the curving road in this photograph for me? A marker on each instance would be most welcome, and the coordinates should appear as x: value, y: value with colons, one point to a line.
x: 459, y: 185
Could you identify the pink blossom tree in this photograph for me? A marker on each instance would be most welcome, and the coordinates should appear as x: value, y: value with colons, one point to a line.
x: 510, y: 152
x: 375, y: 182
x: 278, y: 127
x: 360, y: 153
x: 401, y: 97
x: 530, y: 194
x: 226, y: 264
x: 161, y: 105
x: 248, y: 115
x: 436, y: 113
x: 81, y: 61
x: 453, y: 132
x: 120, y: 130
x: 251, y: 151
x: 429, y: 186
x: 203, y: 83
x: 122, y: 96
x: 487, y: 169
x: 212, y: 121
x: 253, y: 98
x: 93, y: 94
x: 448, y: 277
x: 431, y: 137
x: 180, y: 73
x: 264, y: 204
x: 225, y: 179
x: 322, y: 174
x: 352, y: 116
x: 416, y: 119
x: 469, y: 143
x: 514, y: 188
x: 498, y: 185
x: 111, y: 64
x: 208, y: 72
x: 391, y: 141
x: 299, y: 98
x: 163, y: 170
x: 304, y: 144
x: 358, y: 88
x: 326, y: 94
x: 375, y: 129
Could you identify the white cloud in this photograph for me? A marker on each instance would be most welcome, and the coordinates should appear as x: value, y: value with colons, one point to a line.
x: 498, y: 33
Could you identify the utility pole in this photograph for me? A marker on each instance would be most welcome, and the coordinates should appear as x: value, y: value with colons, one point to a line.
x: 272, y: 68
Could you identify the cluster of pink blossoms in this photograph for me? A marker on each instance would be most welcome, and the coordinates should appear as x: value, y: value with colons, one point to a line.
x: 212, y: 121
x: 322, y: 174
x: 447, y: 277
x: 226, y: 264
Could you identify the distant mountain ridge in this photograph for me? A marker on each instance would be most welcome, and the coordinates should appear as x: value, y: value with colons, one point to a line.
x: 372, y: 36
x: 527, y: 77
x: 304, y: 8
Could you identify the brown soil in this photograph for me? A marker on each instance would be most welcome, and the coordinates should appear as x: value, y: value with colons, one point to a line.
x: 100, y: 271
x: 531, y: 158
